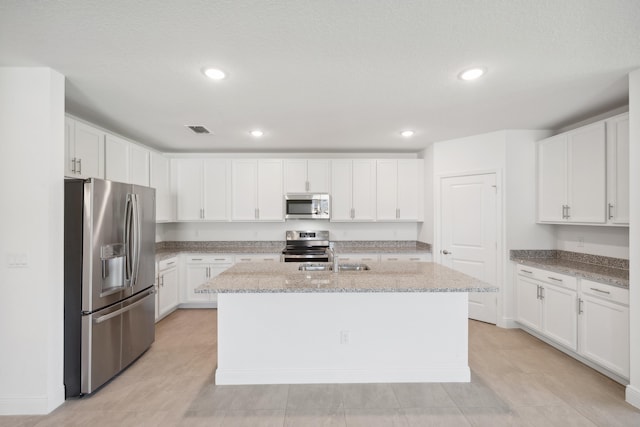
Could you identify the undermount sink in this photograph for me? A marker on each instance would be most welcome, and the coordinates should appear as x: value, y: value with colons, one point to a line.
x: 329, y: 267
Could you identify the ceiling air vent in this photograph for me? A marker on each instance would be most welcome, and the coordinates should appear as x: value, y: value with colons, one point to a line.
x: 198, y: 129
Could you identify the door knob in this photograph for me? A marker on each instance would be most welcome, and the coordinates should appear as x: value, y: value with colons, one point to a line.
x: 446, y: 252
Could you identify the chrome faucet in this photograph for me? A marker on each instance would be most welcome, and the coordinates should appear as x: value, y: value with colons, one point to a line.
x: 333, y: 258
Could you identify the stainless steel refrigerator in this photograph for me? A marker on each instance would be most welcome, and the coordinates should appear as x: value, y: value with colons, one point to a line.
x: 109, y: 269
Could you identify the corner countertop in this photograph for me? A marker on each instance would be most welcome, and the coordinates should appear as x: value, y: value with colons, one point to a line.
x: 167, y: 250
x: 382, y: 277
x: 572, y: 264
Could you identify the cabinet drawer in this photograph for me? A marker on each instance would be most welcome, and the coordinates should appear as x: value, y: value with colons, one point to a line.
x: 403, y: 257
x: 346, y: 258
x: 167, y: 263
x: 606, y: 292
x: 546, y: 276
x: 209, y: 259
x: 258, y: 258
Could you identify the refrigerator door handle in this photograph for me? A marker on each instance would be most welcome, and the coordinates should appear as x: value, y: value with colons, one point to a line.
x: 122, y: 310
x: 137, y: 238
x: 128, y: 224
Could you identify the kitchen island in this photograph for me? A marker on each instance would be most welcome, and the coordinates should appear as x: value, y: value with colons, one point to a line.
x: 397, y: 322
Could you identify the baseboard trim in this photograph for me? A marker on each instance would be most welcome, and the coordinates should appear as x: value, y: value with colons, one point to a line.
x: 632, y: 396
x: 29, y: 405
x: 198, y: 305
x: 284, y: 376
x: 508, y: 323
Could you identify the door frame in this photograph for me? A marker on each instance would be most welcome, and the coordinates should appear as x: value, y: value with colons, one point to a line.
x: 500, y: 243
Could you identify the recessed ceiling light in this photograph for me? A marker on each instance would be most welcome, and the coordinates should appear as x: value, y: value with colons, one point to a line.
x: 256, y: 133
x: 214, y: 74
x: 407, y: 133
x: 472, y: 73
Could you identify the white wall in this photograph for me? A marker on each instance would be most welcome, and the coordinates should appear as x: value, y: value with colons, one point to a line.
x: 633, y: 389
x: 32, y: 194
x: 605, y: 241
x: 186, y: 231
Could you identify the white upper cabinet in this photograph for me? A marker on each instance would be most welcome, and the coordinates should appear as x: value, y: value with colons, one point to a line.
x: 399, y: 190
x: 160, y: 179
x: 201, y: 187
x: 116, y: 152
x: 257, y: 190
x: 353, y: 190
x: 138, y: 165
x: 618, y: 169
x: 306, y: 176
x: 126, y: 162
x: 84, y: 150
x: 572, y: 176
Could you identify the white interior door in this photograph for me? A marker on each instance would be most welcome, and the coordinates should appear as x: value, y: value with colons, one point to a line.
x: 468, y: 235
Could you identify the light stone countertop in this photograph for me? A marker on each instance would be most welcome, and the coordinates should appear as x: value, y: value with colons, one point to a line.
x: 598, y: 273
x: 383, y: 277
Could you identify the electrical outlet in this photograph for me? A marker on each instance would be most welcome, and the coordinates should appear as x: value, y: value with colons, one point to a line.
x: 581, y: 242
x: 17, y: 260
x: 344, y: 337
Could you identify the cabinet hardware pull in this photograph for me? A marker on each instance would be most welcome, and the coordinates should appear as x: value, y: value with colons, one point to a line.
x: 564, y: 215
x: 79, y: 163
x: 600, y: 290
x: 171, y: 263
x: 610, y: 215
x: 527, y: 271
x: 196, y: 259
x: 580, y: 306
x: 244, y: 259
x: 568, y: 212
x: 219, y: 259
x: 414, y: 259
x: 537, y: 291
x: 397, y: 213
x: 553, y: 278
x: 392, y: 259
x: 541, y: 292
x: 73, y: 165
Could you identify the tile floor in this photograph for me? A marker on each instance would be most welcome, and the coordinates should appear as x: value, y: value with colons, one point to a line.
x: 516, y: 381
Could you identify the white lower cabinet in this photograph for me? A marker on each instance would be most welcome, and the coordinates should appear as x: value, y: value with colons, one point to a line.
x: 604, y: 326
x: 166, y: 287
x: 548, y: 308
x: 199, y: 269
x: 588, y: 318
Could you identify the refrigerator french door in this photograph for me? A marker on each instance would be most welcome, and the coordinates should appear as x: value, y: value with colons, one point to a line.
x: 109, y: 278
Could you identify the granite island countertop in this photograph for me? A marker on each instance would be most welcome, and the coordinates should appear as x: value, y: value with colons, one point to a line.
x: 604, y: 270
x: 382, y: 277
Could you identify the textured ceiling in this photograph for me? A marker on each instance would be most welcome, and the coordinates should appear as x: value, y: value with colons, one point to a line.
x: 327, y: 75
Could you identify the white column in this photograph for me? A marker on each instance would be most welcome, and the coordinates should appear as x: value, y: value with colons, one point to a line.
x: 31, y: 242
x: 633, y: 389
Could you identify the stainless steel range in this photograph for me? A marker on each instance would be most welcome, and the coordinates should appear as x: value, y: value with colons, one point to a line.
x: 306, y: 246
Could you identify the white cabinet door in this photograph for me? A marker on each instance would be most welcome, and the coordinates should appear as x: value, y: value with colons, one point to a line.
x: 618, y: 169
x: 529, y: 309
x: 341, y: 187
x: 587, y: 174
x: 410, y: 189
x: 244, y: 193
x: 116, y: 158
x: 167, y: 291
x: 88, y: 152
x: 559, y: 315
x: 216, y: 189
x: 604, y: 334
x: 270, y: 195
x: 138, y: 165
x: 387, y: 190
x: 552, y: 179
x: 188, y: 185
x: 318, y: 176
x: 364, y: 190
x: 196, y: 275
x: 160, y: 179
x: 295, y: 176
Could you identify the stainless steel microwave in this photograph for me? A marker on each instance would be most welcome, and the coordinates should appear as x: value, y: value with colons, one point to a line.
x: 307, y: 206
